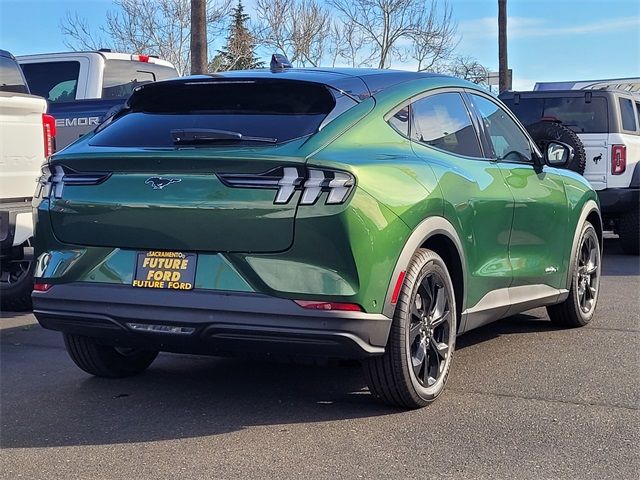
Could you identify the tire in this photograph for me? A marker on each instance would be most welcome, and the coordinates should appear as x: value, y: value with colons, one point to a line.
x: 106, y: 361
x: 16, y: 285
x: 579, y: 307
x: 544, y: 132
x: 421, y: 328
x: 629, y: 232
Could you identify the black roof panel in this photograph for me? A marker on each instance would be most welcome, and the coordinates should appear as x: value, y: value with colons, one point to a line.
x: 357, y: 82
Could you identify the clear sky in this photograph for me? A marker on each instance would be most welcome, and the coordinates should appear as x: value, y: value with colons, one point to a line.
x: 548, y: 39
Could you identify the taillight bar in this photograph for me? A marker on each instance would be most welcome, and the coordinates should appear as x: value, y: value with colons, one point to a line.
x: 54, y: 178
x: 287, y: 180
x: 618, y: 159
x: 49, y: 133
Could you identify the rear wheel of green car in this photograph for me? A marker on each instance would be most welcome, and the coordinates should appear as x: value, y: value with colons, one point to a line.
x: 106, y: 361
x: 414, y: 368
x: 578, y: 308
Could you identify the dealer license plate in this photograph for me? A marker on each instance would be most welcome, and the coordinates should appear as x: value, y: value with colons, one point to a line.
x: 172, y: 270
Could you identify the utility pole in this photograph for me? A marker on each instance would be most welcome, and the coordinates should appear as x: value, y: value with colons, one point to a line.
x: 503, y: 63
x: 198, y: 36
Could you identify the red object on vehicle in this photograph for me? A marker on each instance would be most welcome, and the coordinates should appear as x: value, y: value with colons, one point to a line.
x: 315, y: 305
x: 49, y: 132
x: 41, y: 287
x: 142, y: 58
x: 396, y: 290
x: 618, y: 159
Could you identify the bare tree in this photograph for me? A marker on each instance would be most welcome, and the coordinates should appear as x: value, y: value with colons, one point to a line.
x: 159, y: 27
x: 434, y: 39
x: 298, y: 29
x: 468, y: 68
x: 346, y: 46
x: 392, y: 27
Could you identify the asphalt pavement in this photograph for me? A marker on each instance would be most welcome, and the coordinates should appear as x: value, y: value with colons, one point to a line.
x: 524, y: 400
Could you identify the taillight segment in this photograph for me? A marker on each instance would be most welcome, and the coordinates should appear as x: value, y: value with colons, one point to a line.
x: 618, y: 159
x: 312, y: 182
x: 54, y: 178
x: 49, y: 132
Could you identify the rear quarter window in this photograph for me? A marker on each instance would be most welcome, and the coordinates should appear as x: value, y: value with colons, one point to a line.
x: 122, y: 76
x: 577, y: 113
x: 11, y: 79
x: 627, y: 115
x: 55, y: 81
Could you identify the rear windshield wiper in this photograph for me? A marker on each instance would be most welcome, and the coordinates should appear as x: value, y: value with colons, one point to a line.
x: 199, y: 136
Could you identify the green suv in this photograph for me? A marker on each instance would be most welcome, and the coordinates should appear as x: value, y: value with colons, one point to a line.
x: 334, y: 213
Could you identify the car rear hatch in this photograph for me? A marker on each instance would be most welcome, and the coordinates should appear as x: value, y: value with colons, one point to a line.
x: 200, y: 166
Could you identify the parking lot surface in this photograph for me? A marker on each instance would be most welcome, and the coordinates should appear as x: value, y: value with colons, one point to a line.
x: 524, y: 400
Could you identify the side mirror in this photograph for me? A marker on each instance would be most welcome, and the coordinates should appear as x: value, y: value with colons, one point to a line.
x: 558, y: 154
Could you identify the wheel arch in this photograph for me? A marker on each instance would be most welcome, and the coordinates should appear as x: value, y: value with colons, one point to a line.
x: 439, y: 235
x: 590, y: 213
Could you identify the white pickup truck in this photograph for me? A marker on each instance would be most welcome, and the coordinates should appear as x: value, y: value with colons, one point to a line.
x: 26, y: 139
x: 82, y: 87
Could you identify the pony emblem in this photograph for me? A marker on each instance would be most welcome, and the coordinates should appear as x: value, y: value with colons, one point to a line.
x: 158, y: 183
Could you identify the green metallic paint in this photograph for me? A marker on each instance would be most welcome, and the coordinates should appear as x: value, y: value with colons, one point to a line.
x: 343, y: 252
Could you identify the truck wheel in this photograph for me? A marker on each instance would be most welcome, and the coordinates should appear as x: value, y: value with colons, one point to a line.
x: 545, y: 131
x: 629, y: 232
x: 414, y: 368
x: 578, y: 308
x: 106, y: 361
x: 16, y: 285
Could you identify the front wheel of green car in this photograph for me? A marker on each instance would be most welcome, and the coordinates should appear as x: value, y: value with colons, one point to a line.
x: 106, y: 361
x: 414, y: 368
x: 578, y: 308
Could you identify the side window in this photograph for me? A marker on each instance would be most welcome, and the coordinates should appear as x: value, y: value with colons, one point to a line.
x: 508, y: 141
x: 122, y: 76
x: 400, y: 121
x: 55, y: 81
x: 442, y: 121
x: 10, y: 77
x: 628, y: 115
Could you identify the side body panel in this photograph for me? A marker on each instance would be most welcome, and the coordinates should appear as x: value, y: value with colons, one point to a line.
x: 540, y: 227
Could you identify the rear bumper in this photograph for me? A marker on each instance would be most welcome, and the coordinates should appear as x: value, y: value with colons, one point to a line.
x: 614, y: 201
x: 217, y: 323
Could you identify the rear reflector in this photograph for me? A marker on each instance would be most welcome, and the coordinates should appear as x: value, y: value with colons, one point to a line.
x: 396, y: 289
x: 41, y: 287
x: 314, y: 305
x: 141, y: 58
x: 618, y: 159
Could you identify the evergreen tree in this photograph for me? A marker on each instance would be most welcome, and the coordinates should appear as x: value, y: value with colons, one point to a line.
x: 239, y: 51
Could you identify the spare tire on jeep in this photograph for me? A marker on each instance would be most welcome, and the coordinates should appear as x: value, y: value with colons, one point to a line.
x: 546, y: 131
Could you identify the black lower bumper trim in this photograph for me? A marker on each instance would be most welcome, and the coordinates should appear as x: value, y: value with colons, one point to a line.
x: 220, y: 323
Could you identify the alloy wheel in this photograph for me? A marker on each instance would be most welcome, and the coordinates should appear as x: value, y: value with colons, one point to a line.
x: 430, y: 329
x: 588, y: 273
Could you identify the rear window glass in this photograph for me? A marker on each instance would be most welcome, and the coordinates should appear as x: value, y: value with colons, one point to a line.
x: 573, y: 112
x: 628, y: 116
x: 268, y: 109
x: 122, y: 76
x: 55, y: 81
x: 11, y: 79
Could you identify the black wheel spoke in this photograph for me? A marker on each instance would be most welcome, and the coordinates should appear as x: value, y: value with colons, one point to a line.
x: 415, y: 330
